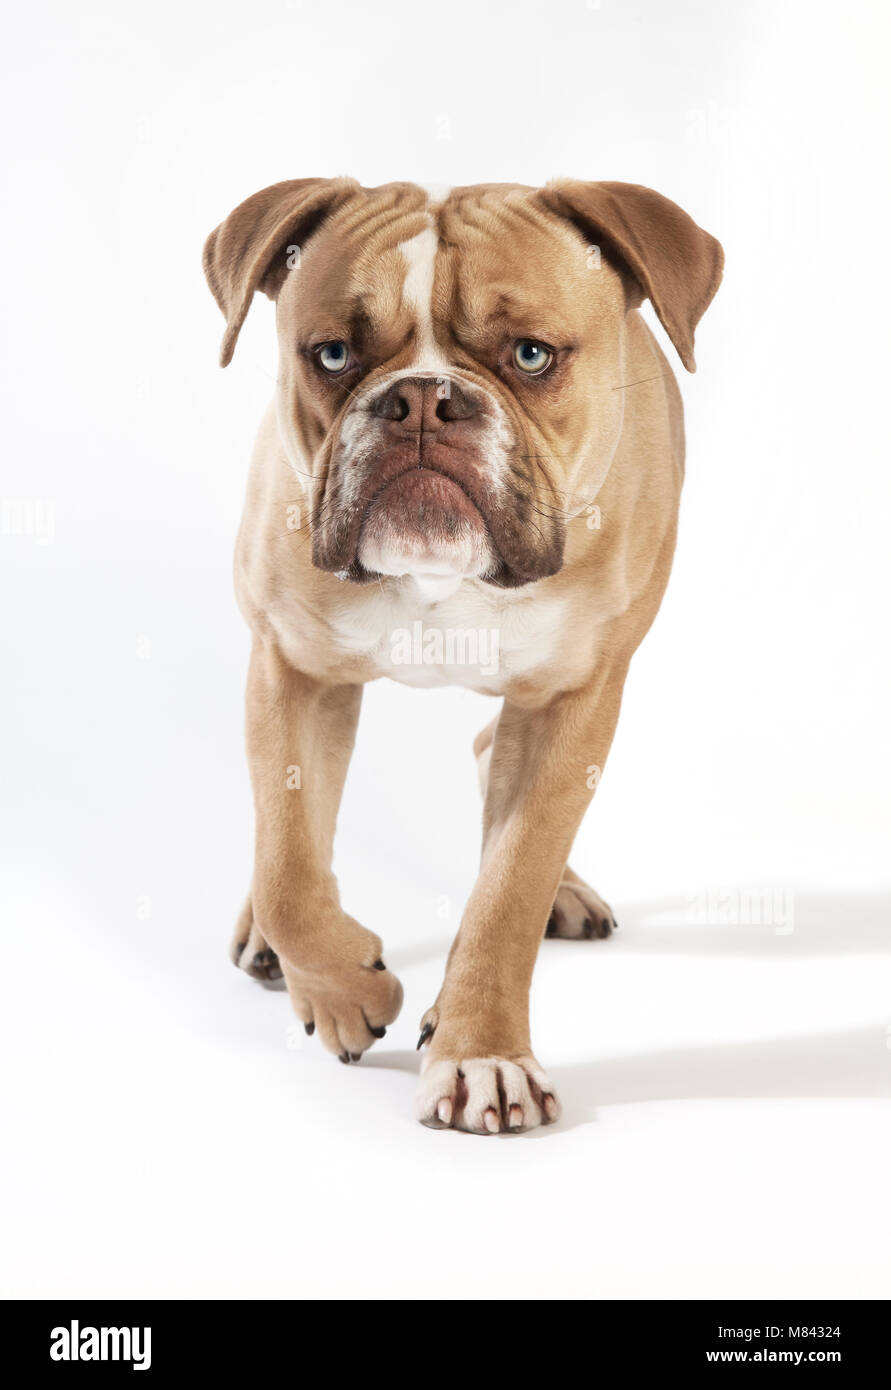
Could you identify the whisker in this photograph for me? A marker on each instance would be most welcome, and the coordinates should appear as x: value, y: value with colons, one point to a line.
x: 660, y: 376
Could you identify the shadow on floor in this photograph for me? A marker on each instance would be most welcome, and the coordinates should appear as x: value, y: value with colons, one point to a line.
x: 821, y: 924
x: 807, y: 924
x: 854, y: 1063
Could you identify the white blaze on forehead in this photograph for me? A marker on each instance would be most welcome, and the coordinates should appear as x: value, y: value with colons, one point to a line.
x: 419, y: 255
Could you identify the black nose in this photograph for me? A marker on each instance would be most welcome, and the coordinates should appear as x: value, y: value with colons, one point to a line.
x: 425, y: 402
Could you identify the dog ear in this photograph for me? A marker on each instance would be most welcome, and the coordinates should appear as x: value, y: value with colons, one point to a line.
x: 677, y: 265
x: 248, y: 251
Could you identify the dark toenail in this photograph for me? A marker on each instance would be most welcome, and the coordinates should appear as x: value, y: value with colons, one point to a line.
x: 355, y: 1056
x: 309, y: 1028
x: 426, y: 1032
x: 551, y: 928
x: 615, y: 924
x: 378, y: 965
x: 377, y: 1032
x: 588, y: 929
x: 344, y: 1057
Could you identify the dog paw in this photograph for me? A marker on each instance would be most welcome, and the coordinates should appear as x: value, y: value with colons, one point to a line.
x: 486, y: 1095
x: 579, y: 913
x: 348, y: 996
x: 250, y: 953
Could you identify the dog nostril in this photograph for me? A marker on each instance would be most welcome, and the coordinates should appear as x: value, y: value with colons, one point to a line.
x: 392, y: 405
x: 455, y: 405
x: 418, y: 402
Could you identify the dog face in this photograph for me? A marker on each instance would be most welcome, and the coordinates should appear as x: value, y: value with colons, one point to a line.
x: 451, y: 374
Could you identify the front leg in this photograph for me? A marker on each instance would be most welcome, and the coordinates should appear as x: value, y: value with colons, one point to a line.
x: 479, y: 1071
x: 300, y: 734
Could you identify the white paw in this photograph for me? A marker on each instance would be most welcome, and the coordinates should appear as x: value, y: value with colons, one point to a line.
x: 485, y: 1095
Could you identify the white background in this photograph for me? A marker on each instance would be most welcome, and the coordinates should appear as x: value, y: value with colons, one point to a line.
x: 726, y: 1121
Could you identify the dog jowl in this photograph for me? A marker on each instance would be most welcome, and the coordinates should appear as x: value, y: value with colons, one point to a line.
x: 462, y: 384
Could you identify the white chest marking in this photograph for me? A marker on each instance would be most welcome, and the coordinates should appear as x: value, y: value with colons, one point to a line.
x: 474, y: 636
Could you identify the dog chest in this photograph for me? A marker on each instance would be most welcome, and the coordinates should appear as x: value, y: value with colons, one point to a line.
x: 422, y: 635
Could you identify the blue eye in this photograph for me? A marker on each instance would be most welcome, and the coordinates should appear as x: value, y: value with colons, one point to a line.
x: 532, y: 357
x: 334, y: 357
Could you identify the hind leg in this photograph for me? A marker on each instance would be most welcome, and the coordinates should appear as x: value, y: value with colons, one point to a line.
x: 579, y: 913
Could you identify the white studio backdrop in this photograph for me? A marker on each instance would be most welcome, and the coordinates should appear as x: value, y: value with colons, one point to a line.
x: 753, y: 751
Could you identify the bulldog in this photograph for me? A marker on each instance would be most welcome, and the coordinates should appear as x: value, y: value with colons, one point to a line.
x: 474, y: 432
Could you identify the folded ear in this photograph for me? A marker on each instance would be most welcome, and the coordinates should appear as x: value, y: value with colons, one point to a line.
x: 677, y: 265
x: 248, y: 251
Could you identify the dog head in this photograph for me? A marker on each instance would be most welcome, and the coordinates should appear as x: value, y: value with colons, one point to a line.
x: 451, y: 372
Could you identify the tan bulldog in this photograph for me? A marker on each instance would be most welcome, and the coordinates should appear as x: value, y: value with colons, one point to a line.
x: 470, y: 474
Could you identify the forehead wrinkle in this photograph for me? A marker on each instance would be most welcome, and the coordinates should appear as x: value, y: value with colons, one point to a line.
x: 481, y: 210
x: 372, y: 225
x: 535, y: 288
x: 373, y: 206
x: 356, y: 271
x: 541, y: 317
x: 514, y: 226
x: 375, y: 284
x: 499, y: 241
x: 375, y: 278
x: 483, y: 304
